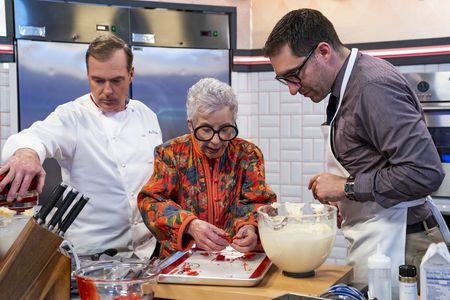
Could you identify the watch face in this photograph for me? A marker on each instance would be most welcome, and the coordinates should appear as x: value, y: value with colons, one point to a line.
x: 349, y: 188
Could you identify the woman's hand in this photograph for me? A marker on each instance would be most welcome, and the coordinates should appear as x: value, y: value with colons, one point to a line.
x: 207, y: 236
x: 246, y: 239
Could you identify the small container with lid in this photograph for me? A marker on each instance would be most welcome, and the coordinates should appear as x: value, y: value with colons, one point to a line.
x: 379, y: 276
x: 407, y: 282
x: 29, y: 200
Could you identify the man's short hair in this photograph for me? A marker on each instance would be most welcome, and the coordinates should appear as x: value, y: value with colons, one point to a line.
x: 302, y: 30
x: 104, y: 46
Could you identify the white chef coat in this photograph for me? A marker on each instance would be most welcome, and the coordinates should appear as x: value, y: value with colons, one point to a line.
x: 107, y: 157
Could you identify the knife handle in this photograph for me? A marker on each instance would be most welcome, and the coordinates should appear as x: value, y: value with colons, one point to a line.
x: 56, y: 194
x: 73, y: 213
x: 61, y: 210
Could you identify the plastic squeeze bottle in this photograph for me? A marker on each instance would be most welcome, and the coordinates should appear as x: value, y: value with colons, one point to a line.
x: 379, y: 276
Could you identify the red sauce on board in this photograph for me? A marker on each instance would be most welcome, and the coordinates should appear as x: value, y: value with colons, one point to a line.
x: 187, y: 270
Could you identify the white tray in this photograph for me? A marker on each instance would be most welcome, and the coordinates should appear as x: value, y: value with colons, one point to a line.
x: 228, y: 267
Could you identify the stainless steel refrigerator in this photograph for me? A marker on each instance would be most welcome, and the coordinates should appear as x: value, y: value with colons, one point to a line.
x: 173, y: 49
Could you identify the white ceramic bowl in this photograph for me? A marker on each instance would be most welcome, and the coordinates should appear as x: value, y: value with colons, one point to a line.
x: 297, y: 237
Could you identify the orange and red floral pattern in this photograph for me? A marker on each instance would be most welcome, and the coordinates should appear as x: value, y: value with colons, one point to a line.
x: 186, y: 185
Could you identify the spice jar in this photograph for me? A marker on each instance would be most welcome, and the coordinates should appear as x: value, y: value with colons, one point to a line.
x: 407, y: 282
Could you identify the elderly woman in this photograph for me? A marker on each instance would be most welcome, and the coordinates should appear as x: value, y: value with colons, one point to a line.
x: 206, y: 185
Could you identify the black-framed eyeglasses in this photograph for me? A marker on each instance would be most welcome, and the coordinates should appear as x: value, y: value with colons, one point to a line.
x: 292, y: 76
x: 206, y: 133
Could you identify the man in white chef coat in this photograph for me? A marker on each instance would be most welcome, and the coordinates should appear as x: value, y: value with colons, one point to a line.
x: 381, y: 160
x: 104, y: 143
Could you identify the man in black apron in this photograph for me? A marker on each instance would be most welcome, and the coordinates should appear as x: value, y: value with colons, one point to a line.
x: 381, y: 163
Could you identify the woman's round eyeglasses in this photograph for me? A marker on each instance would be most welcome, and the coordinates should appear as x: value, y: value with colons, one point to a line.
x: 206, y: 133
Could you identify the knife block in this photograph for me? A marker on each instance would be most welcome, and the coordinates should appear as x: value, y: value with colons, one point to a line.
x: 34, y: 268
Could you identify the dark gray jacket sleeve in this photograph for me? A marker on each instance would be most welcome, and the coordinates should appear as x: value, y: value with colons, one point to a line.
x: 393, y: 122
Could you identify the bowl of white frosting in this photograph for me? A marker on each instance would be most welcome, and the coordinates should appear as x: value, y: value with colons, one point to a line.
x: 297, y: 237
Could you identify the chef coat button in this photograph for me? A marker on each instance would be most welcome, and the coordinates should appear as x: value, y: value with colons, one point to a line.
x: 124, y: 165
x: 143, y: 135
x: 132, y: 194
x: 216, y: 180
x: 113, y: 137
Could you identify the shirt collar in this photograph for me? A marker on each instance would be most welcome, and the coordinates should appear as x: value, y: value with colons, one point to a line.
x: 93, y: 102
x: 336, y: 87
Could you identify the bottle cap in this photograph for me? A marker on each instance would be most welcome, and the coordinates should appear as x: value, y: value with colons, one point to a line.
x: 407, y: 271
x: 379, y: 260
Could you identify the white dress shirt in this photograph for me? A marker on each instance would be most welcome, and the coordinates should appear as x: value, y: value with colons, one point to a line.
x: 107, y: 157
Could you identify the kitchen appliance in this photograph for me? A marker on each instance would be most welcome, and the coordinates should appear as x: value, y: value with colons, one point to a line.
x: 433, y: 90
x: 297, y: 237
x: 173, y: 49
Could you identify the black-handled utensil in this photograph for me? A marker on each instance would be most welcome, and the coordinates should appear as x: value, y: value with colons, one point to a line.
x: 72, y: 214
x: 56, y: 194
x: 110, y: 252
x: 62, y: 209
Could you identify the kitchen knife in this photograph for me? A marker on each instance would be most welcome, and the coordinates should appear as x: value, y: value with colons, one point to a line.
x: 72, y: 214
x: 51, y: 201
x: 64, y: 206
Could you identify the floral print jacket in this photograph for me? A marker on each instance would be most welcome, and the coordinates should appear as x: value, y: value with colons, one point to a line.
x: 186, y: 185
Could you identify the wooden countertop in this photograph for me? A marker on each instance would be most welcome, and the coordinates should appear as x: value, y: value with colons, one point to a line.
x: 273, y: 285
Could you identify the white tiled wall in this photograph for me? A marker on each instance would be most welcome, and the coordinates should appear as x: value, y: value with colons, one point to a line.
x: 285, y: 127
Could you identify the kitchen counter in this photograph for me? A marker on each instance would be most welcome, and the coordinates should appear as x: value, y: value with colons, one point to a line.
x: 273, y: 285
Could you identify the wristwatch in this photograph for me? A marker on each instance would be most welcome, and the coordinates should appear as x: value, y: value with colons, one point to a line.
x: 349, y: 188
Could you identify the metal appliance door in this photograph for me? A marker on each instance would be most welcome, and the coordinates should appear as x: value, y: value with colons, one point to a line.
x: 49, y: 74
x: 438, y: 122
x: 163, y: 77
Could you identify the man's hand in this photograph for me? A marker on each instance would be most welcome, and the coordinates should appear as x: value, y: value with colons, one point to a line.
x: 22, y: 167
x: 207, y: 236
x: 246, y: 239
x: 327, y: 187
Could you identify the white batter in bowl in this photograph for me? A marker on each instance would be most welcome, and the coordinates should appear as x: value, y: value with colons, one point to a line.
x: 297, y: 237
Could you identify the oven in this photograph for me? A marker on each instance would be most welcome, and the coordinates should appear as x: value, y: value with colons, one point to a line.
x: 433, y: 90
